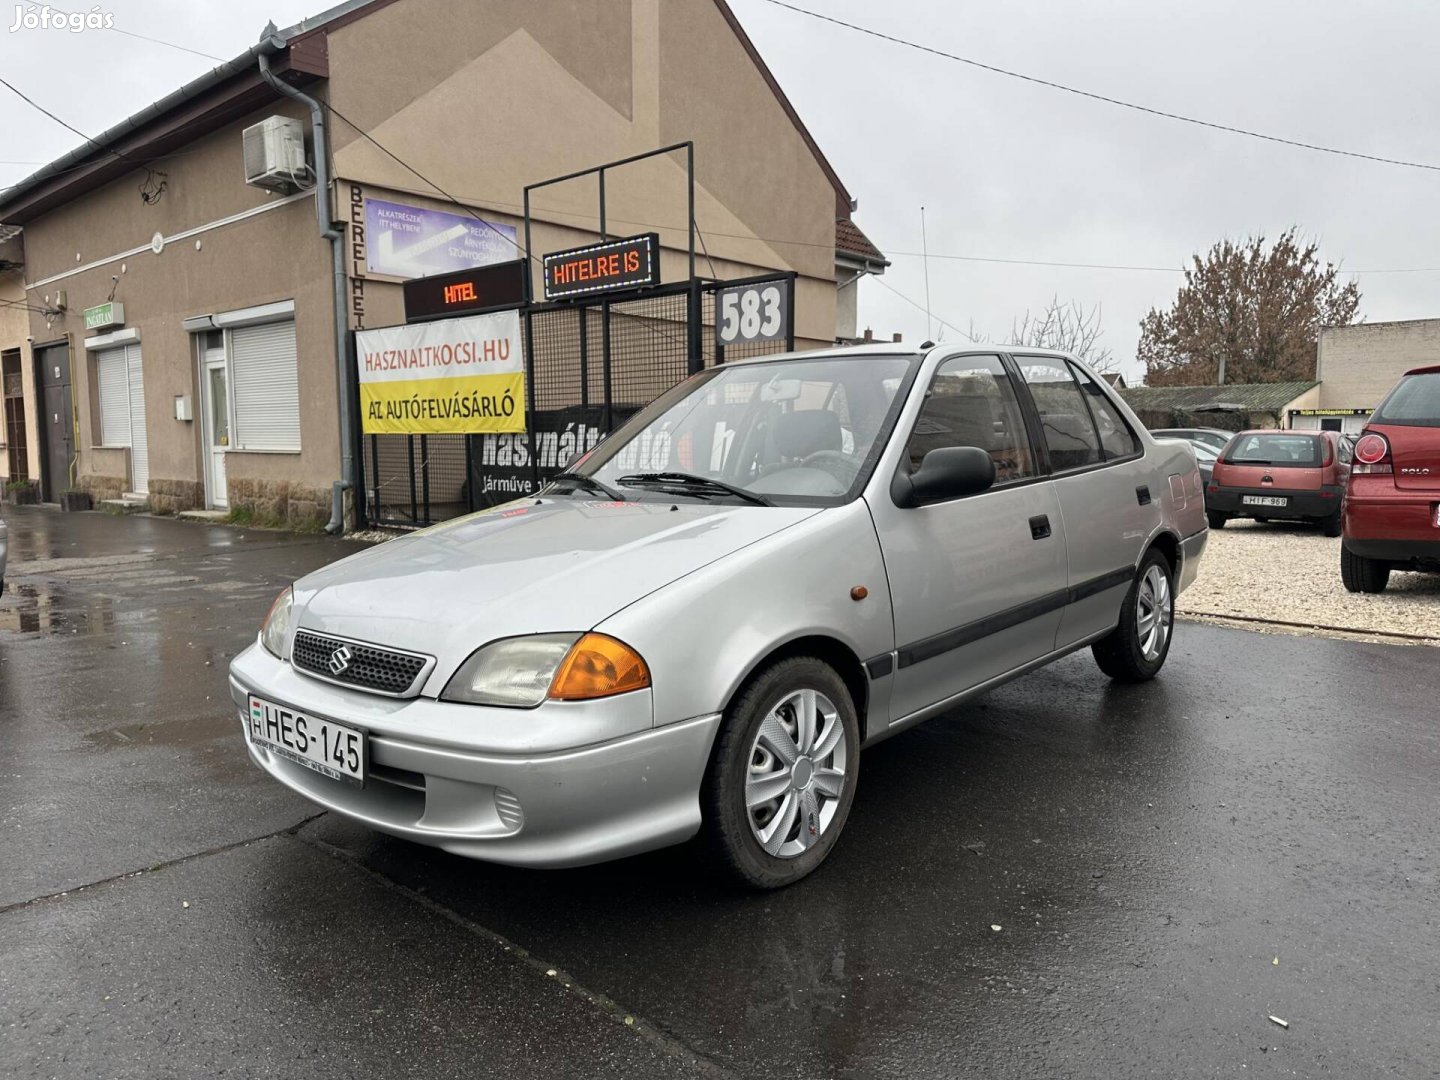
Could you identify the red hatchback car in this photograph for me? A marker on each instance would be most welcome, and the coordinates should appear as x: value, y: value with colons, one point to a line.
x: 1286, y: 475
x: 1392, y: 507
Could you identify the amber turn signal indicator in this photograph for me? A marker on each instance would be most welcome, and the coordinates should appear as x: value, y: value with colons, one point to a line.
x: 598, y: 666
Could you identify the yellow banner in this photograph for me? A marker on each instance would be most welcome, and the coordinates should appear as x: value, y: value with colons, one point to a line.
x: 467, y: 404
x: 455, y: 376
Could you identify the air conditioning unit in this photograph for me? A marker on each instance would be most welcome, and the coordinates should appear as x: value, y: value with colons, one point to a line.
x: 275, y: 154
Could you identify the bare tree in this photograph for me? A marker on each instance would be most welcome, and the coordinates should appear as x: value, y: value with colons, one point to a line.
x: 1070, y: 328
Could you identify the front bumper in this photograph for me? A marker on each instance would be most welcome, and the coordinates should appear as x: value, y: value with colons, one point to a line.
x: 523, y: 807
x: 1299, y: 505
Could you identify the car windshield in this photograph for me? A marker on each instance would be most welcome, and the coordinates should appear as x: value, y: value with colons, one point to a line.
x: 788, y: 432
x: 1415, y: 402
x: 1281, y: 449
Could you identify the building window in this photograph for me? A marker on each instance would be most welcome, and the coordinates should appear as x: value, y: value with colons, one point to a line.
x: 122, y: 408
x: 265, y: 387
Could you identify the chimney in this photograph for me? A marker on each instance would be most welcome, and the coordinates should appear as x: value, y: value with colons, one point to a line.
x: 869, y: 334
x: 895, y: 338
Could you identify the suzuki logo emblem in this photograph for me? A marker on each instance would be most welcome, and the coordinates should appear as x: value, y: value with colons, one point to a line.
x: 340, y: 660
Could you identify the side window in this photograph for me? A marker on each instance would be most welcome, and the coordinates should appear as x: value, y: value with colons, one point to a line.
x: 1069, y: 433
x: 1347, y: 449
x: 972, y: 402
x: 1117, y: 438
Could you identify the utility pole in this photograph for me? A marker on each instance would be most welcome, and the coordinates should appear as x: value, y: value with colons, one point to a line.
x: 1220, y: 378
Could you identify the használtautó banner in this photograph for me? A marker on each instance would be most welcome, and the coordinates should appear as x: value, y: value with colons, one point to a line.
x: 454, y: 376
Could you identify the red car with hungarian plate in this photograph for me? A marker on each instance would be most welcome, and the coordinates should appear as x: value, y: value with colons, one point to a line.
x: 1392, y: 507
x: 1284, y: 475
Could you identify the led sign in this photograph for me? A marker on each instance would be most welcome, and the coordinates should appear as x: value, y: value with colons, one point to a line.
x: 631, y: 263
x: 482, y: 288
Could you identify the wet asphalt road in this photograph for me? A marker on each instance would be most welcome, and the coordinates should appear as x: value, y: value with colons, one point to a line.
x: 1148, y: 854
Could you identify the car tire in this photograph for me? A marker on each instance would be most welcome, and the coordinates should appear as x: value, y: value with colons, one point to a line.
x: 1361, y: 574
x: 745, y: 757
x: 1216, y: 521
x: 1333, y: 525
x: 1135, y: 650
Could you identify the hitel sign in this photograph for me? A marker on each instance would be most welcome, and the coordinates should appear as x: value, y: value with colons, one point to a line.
x: 618, y: 264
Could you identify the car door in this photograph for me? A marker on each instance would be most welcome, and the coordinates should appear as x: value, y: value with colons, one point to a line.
x: 1108, y: 500
x: 974, y: 580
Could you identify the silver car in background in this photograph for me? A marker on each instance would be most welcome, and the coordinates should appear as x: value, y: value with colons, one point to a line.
x: 4, y: 553
x: 700, y: 626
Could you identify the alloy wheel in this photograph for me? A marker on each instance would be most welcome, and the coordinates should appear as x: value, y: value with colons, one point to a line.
x: 1155, y: 611
x: 797, y: 773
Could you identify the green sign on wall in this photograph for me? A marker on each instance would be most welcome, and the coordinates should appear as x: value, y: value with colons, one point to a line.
x: 105, y: 315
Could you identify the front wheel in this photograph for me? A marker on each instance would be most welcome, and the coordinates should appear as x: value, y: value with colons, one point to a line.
x: 1360, y: 574
x: 782, y: 775
x: 1135, y: 650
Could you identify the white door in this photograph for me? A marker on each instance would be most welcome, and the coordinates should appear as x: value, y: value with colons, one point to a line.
x: 215, y: 409
x: 139, y: 444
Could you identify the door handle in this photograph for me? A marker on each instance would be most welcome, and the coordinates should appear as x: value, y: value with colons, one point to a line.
x: 1040, y: 527
x: 1142, y: 494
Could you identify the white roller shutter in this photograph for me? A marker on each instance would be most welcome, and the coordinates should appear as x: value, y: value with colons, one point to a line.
x: 139, y: 441
x: 110, y: 371
x: 265, y: 387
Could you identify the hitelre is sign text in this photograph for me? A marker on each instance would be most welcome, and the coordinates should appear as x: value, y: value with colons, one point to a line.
x: 631, y: 263
x: 452, y: 376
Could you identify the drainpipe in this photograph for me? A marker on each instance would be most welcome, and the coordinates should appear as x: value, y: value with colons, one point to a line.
x: 337, y: 259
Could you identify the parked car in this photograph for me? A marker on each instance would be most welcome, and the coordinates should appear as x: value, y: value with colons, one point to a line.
x: 4, y: 553
x: 1205, y: 455
x: 1214, y: 438
x: 1392, y: 505
x: 1284, y: 475
x: 698, y: 628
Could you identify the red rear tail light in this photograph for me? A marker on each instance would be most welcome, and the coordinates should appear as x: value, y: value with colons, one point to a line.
x: 1372, y: 455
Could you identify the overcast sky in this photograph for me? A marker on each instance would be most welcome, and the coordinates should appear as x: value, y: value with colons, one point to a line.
x: 1005, y: 169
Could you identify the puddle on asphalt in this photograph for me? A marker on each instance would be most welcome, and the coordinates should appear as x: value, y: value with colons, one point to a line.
x: 45, y: 609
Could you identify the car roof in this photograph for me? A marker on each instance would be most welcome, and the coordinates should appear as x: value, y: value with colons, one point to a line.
x: 1431, y: 369
x: 888, y: 348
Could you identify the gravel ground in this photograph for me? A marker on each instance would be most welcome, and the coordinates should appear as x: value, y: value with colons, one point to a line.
x: 1291, y: 574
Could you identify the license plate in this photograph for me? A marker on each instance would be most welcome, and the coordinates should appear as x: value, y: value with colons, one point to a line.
x: 1264, y: 500
x: 336, y: 750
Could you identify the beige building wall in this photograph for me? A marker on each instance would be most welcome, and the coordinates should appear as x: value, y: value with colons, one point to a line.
x: 539, y: 88
x: 1358, y: 365
x: 89, y: 246
x: 14, y: 329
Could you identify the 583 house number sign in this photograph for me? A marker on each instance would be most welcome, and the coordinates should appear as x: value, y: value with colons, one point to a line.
x: 756, y: 312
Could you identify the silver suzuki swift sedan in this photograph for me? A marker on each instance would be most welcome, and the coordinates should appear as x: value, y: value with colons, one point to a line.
x: 700, y: 625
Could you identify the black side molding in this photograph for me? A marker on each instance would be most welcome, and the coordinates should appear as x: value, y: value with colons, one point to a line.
x: 880, y: 666
x: 947, y: 640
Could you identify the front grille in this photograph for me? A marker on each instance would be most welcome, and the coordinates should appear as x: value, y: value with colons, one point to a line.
x: 366, y: 667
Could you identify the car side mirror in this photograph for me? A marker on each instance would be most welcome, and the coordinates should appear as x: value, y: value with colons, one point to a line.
x: 948, y: 472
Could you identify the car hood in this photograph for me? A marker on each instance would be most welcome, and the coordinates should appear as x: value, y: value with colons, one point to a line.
x: 532, y: 567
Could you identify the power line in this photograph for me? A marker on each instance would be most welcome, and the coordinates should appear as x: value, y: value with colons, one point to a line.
x: 921, y: 307
x: 1101, y: 97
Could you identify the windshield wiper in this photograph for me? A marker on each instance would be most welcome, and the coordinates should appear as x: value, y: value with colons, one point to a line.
x: 689, y: 480
x: 589, y: 483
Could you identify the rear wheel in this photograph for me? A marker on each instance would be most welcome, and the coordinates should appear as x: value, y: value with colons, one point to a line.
x: 1361, y: 574
x: 1216, y: 520
x: 1135, y: 650
x: 782, y: 776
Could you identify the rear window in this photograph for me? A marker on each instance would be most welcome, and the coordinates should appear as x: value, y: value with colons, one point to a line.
x: 1415, y: 402
x: 1282, y: 450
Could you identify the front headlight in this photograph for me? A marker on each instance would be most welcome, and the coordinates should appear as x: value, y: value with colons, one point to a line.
x: 276, y: 627
x: 523, y: 671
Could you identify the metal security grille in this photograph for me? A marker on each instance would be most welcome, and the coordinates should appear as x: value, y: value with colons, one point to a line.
x: 366, y: 667
x: 590, y: 366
